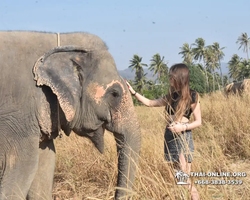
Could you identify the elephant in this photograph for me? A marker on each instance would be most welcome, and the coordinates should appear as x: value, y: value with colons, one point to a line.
x: 238, y: 88
x: 59, y: 82
x: 233, y: 88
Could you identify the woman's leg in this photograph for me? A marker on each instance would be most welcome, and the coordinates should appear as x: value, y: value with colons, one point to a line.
x: 183, y: 164
x: 186, y: 167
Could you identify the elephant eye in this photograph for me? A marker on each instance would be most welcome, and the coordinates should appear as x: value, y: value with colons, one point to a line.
x: 115, y: 94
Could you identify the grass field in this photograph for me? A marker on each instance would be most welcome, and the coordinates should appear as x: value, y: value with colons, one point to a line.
x: 222, y: 144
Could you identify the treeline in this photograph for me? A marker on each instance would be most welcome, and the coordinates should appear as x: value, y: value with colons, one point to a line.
x: 202, y: 61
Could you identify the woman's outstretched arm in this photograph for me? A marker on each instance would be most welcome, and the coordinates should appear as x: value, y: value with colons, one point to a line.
x: 148, y: 102
x: 151, y: 103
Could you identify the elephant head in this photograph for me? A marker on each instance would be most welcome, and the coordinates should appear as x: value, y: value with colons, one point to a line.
x: 93, y: 97
x: 234, y: 88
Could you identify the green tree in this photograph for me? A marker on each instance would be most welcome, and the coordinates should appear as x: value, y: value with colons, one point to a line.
x: 187, y: 53
x: 163, y: 87
x: 150, y: 85
x: 197, y: 79
x: 199, y: 52
x: 136, y: 63
x: 157, y: 65
x: 211, y: 62
x: 225, y: 79
x: 140, y: 83
x: 150, y: 94
x: 210, y: 79
x: 219, y: 54
x: 200, y: 67
x: 234, y: 67
x: 218, y: 80
x: 244, y: 42
x: 244, y: 69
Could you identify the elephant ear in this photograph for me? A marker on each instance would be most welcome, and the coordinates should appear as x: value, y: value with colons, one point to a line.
x: 59, y: 70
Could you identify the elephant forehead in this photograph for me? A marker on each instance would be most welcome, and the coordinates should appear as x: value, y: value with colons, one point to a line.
x: 97, y: 91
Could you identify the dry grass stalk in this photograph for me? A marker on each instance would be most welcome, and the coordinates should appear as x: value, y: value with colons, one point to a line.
x: 222, y: 144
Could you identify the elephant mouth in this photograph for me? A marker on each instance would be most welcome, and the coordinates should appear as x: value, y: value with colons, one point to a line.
x: 98, y: 139
x: 96, y: 136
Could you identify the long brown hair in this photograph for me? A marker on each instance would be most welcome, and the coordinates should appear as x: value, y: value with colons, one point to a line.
x: 179, y: 83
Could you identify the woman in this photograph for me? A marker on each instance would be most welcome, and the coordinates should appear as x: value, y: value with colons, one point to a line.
x: 179, y: 104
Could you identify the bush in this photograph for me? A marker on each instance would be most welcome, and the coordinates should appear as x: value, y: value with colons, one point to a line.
x: 197, y: 79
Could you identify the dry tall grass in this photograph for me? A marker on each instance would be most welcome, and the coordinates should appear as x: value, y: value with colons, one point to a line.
x: 222, y: 144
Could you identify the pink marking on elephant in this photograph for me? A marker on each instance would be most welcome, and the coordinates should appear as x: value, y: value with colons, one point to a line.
x: 123, y: 114
x: 97, y: 92
x: 113, y: 82
x: 77, y: 58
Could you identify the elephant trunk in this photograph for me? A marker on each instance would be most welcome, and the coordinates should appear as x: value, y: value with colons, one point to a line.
x: 128, y: 147
x: 128, y: 139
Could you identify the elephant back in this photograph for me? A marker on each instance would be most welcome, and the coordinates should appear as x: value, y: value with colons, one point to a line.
x: 86, y: 40
x: 25, y: 47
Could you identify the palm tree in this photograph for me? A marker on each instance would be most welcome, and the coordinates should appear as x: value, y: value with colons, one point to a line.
x: 187, y: 53
x: 150, y: 84
x: 141, y: 83
x: 226, y: 80
x: 199, y: 53
x: 219, y: 54
x: 200, y: 67
x: 234, y: 66
x: 217, y: 78
x: 211, y: 61
x: 244, y: 69
x: 135, y: 63
x: 244, y: 42
x: 157, y: 64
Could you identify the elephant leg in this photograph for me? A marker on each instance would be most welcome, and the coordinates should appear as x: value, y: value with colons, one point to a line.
x: 41, y: 187
x: 18, y: 165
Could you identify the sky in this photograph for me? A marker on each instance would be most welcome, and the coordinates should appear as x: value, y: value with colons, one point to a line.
x: 143, y: 27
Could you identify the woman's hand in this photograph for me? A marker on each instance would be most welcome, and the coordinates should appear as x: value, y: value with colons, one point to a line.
x: 146, y: 101
x: 176, y: 127
x: 130, y: 88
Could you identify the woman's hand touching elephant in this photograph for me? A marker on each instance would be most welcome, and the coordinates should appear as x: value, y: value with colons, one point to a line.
x: 132, y: 91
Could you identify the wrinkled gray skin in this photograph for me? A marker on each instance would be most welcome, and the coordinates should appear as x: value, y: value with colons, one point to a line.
x: 92, y: 97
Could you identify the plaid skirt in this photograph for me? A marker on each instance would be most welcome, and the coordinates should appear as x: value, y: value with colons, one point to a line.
x: 175, y: 144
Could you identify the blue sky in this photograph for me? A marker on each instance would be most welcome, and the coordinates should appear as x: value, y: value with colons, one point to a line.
x: 135, y: 26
